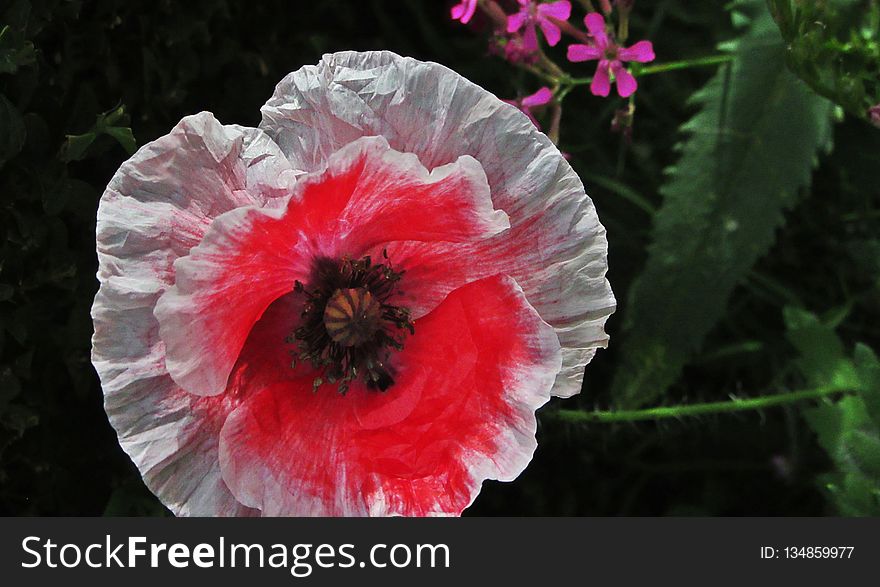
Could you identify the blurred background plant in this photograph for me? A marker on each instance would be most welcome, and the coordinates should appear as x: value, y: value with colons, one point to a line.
x: 739, y: 180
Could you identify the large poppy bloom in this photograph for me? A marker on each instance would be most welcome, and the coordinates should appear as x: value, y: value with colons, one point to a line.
x: 355, y: 309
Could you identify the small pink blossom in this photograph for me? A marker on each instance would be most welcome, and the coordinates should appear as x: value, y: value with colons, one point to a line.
x: 464, y: 11
x: 515, y: 50
x: 611, y: 57
x: 525, y: 104
x: 874, y: 115
x: 532, y: 14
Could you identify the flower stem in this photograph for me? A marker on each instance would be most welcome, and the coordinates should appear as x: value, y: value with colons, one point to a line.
x: 588, y: 6
x: 639, y: 69
x: 681, y: 411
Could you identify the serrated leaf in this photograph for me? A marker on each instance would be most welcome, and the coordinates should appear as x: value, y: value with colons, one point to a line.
x: 749, y: 151
x: 847, y: 429
x: 822, y: 360
x: 849, y: 437
x: 868, y: 368
x: 864, y: 449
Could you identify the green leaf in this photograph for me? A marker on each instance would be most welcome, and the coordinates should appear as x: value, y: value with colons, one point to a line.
x: 12, y: 130
x: 14, y: 55
x: 124, y: 137
x: 868, y: 368
x: 109, y: 123
x: 76, y: 146
x: 748, y: 153
x: 822, y: 357
x: 851, y: 439
x: 847, y: 429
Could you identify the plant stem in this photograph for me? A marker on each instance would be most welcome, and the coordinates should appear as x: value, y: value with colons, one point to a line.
x: 639, y: 69
x: 660, y: 413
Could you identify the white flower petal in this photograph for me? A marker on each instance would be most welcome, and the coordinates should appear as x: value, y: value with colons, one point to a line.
x: 157, y: 206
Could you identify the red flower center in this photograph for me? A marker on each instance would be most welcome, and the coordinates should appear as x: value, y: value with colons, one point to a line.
x: 348, y: 328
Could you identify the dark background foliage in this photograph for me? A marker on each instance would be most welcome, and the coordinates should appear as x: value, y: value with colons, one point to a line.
x: 75, y: 75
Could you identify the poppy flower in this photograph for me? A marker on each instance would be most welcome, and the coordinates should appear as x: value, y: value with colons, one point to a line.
x: 354, y: 309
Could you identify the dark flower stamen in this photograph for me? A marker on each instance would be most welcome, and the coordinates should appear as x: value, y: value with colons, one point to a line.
x: 348, y: 329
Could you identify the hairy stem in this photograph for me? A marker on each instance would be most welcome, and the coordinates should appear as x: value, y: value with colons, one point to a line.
x: 682, y: 411
x: 639, y: 69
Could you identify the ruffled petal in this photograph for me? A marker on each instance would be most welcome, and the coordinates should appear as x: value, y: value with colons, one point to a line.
x: 643, y: 52
x: 577, y: 306
x: 462, y: 411
x: 429, y: 110
x: 250, y: 257
x: 157, y: 206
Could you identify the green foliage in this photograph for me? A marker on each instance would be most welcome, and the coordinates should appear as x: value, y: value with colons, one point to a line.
x: 848, y: 429
x: 749, y: 151
x: 64, y: 62
x: 834, y: 46
x: 12, y: 130
x: 112, y: 123
x: 14, y: 51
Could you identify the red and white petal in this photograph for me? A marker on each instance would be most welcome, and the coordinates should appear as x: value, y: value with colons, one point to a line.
x: 250, y: 257
x: 156, y: 207
x: 433, y: 270
x: 461, y: 411
x: 429, y: 110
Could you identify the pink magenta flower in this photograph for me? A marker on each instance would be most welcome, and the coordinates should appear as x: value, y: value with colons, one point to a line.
x: 464, y: 11
x: 874, y: 115
x: 354, y: 309
x: 510, y: 46
x: 525, y: 104
x: 532, y: 14
x: 611, y: 58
